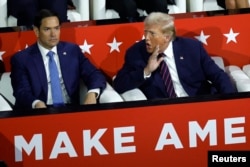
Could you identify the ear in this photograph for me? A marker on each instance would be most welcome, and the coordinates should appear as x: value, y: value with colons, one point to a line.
x: 167, y: 38
x: 36, y: 31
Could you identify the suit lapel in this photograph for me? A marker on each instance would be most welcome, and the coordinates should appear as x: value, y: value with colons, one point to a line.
x: 178, y: 56
x: 64, y: 61
x: 40, y: 69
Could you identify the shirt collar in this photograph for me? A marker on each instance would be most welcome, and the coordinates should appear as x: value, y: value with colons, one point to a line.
x: 169, y: 51
x: 44, y: 51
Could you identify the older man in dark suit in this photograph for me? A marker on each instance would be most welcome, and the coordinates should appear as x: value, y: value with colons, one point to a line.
x: 191, y: 69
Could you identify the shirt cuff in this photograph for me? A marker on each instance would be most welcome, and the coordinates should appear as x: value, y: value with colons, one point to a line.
x: 146, y: 76
x: 97, y: 91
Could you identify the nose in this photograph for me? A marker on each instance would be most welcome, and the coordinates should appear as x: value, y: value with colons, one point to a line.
x: 147, y: 35
x: 53, y: 32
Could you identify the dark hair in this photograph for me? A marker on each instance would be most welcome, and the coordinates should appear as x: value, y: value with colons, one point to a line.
x: 44, y: 13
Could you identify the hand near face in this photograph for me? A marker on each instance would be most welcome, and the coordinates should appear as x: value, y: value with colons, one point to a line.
x: 153, y: 62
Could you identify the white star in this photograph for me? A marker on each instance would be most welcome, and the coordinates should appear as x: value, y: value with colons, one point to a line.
x: 143, y: 37
x: 114, y: 45
x: 231, y: 36
x: 202, y: 37
x: 1, y: 55
x: 86, y: 47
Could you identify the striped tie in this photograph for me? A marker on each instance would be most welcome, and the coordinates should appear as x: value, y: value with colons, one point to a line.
x: 164, y: 71
x: 56, y: 89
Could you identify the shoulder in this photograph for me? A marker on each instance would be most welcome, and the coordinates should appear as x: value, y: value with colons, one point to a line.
x: 27, y: 51
x: 186, y: 42
x: 138, y: 46
x: 67, y: 45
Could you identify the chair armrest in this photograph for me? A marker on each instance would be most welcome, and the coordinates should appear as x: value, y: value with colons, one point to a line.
x: 5, y: 106
x: 133, y: 95
x: 219, y: 61
x: 6, y: 88
x: 109, y: 95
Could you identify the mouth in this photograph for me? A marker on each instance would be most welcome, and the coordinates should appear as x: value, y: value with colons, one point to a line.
x: 53, y: 40
x: 148, y: 46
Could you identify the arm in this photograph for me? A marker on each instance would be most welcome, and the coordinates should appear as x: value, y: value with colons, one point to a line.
x: 215, y: 74
x: 24, y: 80
x: 137, y: 63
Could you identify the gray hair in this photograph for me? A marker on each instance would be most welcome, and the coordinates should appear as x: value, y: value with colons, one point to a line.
x: 162, y: 19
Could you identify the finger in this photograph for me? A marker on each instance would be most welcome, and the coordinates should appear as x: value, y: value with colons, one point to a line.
x: 160, y: 59
x: 156, y: 51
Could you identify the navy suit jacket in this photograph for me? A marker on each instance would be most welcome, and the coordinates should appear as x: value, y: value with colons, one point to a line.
x: 194, y: 67
x: 29, y: 79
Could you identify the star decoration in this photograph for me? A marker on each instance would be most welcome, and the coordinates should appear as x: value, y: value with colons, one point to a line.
x: 203, y: 38
x: 1, y: 55
x: 143, y: 37
x: 231, y: 36
x: 86, y: 47
x: 114, y: 45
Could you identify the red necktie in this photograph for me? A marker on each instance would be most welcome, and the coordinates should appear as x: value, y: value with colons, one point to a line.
x: 166, y: 77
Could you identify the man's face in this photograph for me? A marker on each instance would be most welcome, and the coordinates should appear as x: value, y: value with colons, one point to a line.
x: 154, y: 37
x: 49, y: 32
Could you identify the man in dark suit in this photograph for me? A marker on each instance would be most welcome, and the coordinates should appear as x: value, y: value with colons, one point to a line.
x: 30, y: 70
x: 127, y: 9
x: 191, y: 68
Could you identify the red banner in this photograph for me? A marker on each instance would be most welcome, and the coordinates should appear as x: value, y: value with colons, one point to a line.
x: 105, y: 45
x: 162, y: 135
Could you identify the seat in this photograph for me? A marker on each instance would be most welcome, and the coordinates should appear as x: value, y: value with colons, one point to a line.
x: 246, y: 69
x: 219, y: 61
x: 3, y: 13
x: 202, y: 5
x: 109, y: 95
x: 6, y: 88
x: 99, y: 12
x: 243, y: 85
x: 238, y: 77
x: 4, y: 105
x: 231, y: 68
x: 133, y: 95
x: 82, y: 8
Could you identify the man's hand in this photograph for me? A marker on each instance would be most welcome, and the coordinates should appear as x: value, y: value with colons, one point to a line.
x: 91, y: 98
x: 40, y: 104
x: 153, y: 62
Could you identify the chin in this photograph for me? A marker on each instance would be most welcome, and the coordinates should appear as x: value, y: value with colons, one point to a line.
x: 149, y: 50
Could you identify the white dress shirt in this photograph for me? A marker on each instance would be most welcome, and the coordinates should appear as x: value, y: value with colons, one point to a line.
x: 169, y: 59
x: 44, y: 53
x: 45, y: 58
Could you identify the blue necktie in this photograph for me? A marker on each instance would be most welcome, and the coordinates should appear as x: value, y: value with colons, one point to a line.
x: 56, y: 89
x: 166, y: 77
